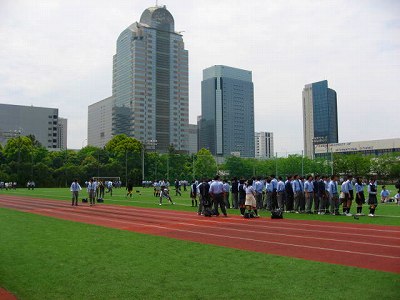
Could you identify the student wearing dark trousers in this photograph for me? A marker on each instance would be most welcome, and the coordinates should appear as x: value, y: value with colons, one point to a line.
x: 274, y: 192
x: 360, y: 198
x: 217, y: 194
x: 242, y: 196
x: 372, y: 199
x: 101, y: 189
x: 177, y: 188
x: 193, y: 193
x: 235, y: 191
x: 289, y: 194
x: 205, y: 201
x: 280, y: 190
x: 317, y: 194
x: 75, y: 188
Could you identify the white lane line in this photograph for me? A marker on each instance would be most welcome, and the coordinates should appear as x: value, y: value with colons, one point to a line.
x: 229, y: 237
x: 224, y: 221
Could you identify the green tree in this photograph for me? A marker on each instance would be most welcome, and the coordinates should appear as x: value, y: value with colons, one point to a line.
x: 205, y: 165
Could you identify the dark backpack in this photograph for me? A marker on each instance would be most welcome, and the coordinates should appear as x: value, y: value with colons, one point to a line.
x: 276, y: 214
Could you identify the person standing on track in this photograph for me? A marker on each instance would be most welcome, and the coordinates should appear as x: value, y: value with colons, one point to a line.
x: 360, y: 198
x: 193, y: 193
x: 91, y: 188
x: 75, y: 188
x: 235, y: 193
x: 101, y: 189
x: 217, y: 194
x: 227, y: 188
x: 259, y: 187
x: 333, y: 195
x: 251, y: 203
x: 372, y: 199
x: 280, y: 190
x: 309, y: 193
x: 289, y: 194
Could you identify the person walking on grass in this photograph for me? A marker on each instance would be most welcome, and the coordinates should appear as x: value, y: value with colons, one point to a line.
x: 177, y: 188
x: 101, y: 189
x: 75, y: 188
x: 129, y: 188
x: 372, y: 199
x: 360, y: 198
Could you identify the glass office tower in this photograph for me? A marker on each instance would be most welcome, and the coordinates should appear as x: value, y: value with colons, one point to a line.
x: 150, y: 82
x: 320, y: 119
x: 227, y: 107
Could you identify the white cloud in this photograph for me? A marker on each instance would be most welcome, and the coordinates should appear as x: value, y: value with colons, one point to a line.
x: 59, y: 54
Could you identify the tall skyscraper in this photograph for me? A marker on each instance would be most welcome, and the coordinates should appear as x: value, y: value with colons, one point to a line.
x: 320, y: 119
x: 62, y: 133
x: 100, y: 122
x: 42, y: 122
x: 264, y: 144
x: 193, y: 139
x: 227, y: 107
x: 150, y: 82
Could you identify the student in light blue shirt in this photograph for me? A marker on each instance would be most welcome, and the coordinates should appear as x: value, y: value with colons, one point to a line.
x: 259, y: 187
x: 384, y: 195
x: 280, y: 189
x: 217, y: 194
x: 333, y: 195
x: 360, y: 198
x: 309, y: 193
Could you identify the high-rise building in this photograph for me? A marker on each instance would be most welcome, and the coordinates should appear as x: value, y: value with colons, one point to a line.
x: 264, y: 144
x: 193, y: 139
x: 227, y: 107
x: 320, y: 119
x: 100, y: 122
x: 42, y: 122
x: 62, y: 133
x: 150, y: 82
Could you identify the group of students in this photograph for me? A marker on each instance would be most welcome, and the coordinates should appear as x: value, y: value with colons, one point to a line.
x: 312, y: 195
x: 95, y: 190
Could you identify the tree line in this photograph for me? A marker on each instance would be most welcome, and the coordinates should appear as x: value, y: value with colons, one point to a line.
x: 24, y: 158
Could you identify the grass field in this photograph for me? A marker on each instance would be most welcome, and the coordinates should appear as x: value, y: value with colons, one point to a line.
x: 46, y: 258
x: 387, y: 214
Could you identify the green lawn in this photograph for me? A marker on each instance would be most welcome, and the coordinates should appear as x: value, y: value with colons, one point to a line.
x: 389, y: 214
x: 47, y: 258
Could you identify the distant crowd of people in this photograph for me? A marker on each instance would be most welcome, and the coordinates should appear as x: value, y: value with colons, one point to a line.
x: 8, y: 185
x: 96, y: 190
x: 310, y: 195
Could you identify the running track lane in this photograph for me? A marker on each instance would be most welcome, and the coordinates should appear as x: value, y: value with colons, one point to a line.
x: 365, y: 246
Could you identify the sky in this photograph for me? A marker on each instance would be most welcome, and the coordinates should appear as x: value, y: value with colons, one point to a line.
x: 58, y: 53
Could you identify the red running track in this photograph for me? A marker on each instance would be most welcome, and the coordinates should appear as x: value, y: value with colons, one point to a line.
x: 366, y: 246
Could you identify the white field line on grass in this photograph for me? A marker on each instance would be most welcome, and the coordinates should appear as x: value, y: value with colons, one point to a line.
x: 230, y: 221
x: 169, y: 229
